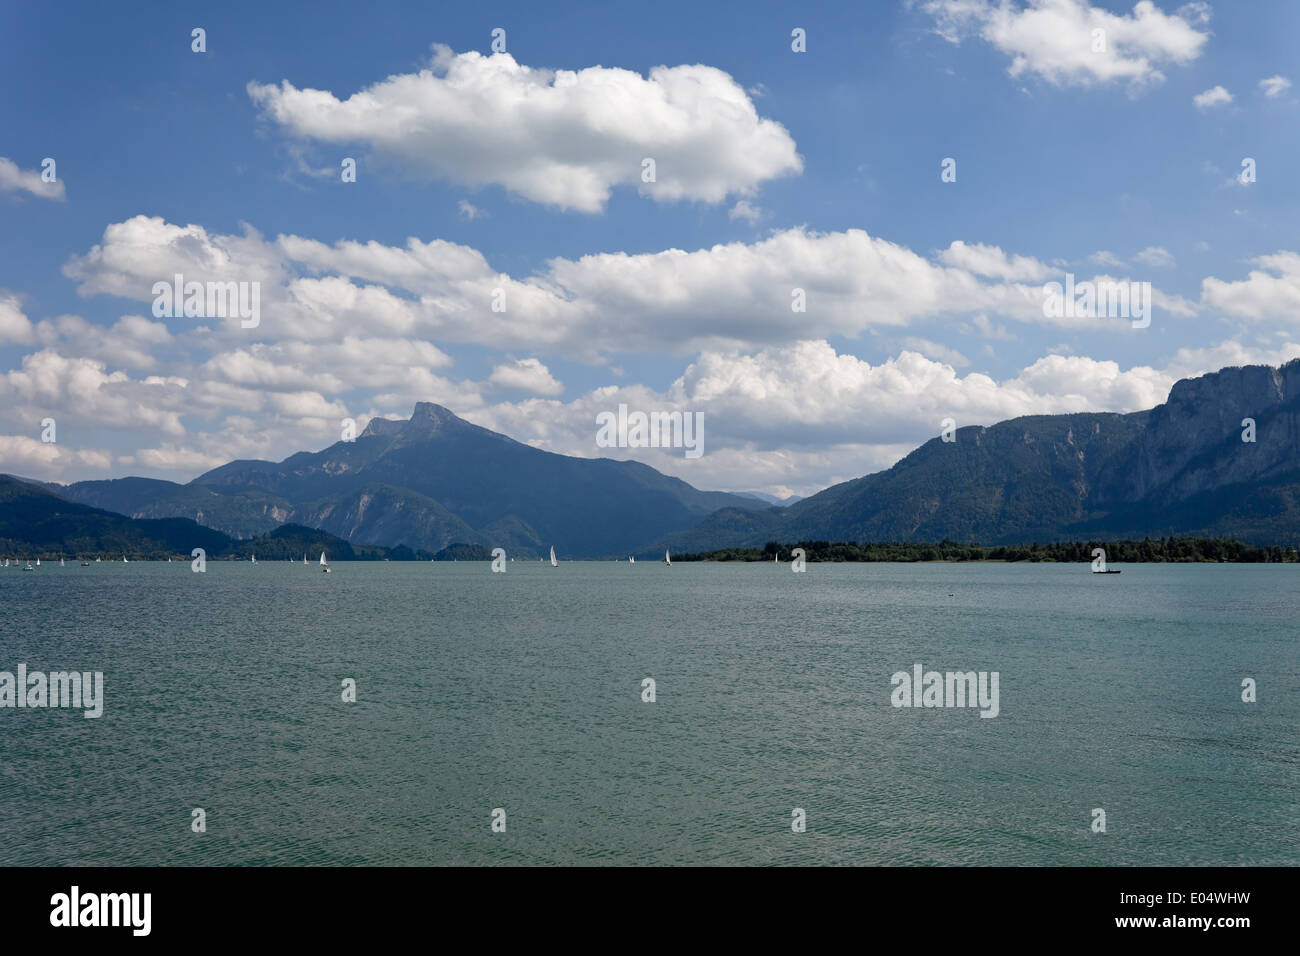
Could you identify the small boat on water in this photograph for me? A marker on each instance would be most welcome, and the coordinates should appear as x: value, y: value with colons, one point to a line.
x: 61, y: 564
x: 85, y: 564
x: 1108, y: 571
x: 631, y: 559
x: 667, y: 559
x: 324, y: 565
x: 253, y: 559
x: 554, y: 563
x: 29, y: 567
x: 38, y: 562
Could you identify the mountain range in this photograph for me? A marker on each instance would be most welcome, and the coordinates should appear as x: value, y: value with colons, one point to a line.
x: 425, y: 483
x: 435, y: 480
x: 35, y: 523
x: 1181, y: 468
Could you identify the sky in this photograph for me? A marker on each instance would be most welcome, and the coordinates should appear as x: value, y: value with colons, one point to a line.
x: 912, y: 173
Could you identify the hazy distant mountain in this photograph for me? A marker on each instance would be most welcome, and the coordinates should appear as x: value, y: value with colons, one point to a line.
x: 428, y: 482
x: 1181, y: 468
x: 241, y: 516
x: 771, y: 499
x: 34, y: 522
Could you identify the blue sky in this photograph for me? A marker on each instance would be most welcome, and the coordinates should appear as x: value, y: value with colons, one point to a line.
x: 776, y: 169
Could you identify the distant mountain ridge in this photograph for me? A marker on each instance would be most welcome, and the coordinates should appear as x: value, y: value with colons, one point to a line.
x: 35, y: 523
x: 771, y: 499
x: 425, y: 483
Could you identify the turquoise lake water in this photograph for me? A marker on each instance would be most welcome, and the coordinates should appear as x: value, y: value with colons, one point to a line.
x: 523, y: 691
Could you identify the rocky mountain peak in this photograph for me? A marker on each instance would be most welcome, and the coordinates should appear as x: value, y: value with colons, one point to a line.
x: 426, y: 419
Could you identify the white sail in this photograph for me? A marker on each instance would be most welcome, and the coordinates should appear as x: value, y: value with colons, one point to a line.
x: 554, y: 563
x: 304, y: 559
x: 38, y: 562
x: 667, y: 559
x: 322, y: 558
x: 631, y: 559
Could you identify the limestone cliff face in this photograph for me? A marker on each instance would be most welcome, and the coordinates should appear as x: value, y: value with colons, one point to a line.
x: 1192, y: 444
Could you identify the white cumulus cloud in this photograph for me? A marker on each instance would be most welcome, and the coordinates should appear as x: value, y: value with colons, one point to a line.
x: 1073, y: 43
x: 1274, y: 86
x: 527, y: 375
x: 1214, y: 96
x: 559, y: 137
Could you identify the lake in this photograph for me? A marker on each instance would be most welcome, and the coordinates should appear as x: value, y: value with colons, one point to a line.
x: 523, y: 691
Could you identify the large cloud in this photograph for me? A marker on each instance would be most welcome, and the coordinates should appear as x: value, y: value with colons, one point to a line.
x: 1057, y: 39
x: 561, y: 138
x: 1271, y: 291
x: 674, y: 301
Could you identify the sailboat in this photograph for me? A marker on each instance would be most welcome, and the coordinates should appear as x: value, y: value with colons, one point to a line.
x: 324, y: 566
x: 61, y: 564
x: 97, y: 560
x: 29, y: 567
x: 38, y: 562
x: 124, y: 560
x: 631, y: 559
x: 554, y: 563
x: 667, y: 559
x: 254, y: 559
